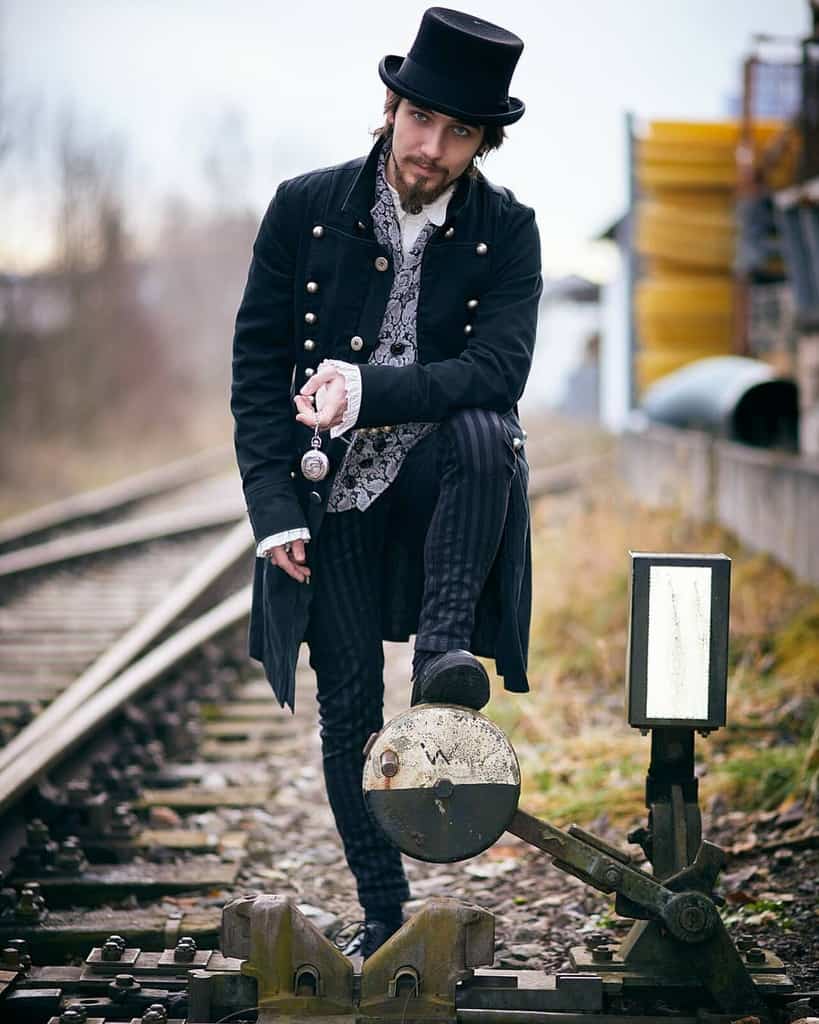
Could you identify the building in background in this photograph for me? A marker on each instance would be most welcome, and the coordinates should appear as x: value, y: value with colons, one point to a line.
x: 720, y: 242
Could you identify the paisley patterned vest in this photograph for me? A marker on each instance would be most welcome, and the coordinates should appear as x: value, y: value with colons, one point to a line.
x: 374, y: 457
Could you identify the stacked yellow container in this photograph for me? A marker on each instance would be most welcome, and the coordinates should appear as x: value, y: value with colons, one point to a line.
x: 685, y: 235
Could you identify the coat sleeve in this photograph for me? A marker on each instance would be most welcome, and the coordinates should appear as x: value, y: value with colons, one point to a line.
x: 262, y: 372
x: 491, y: 371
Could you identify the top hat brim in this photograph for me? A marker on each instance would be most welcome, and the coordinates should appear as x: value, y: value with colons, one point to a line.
x: 388, y: 70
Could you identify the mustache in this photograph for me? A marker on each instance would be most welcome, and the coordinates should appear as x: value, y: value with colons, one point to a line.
x: 426, y: 166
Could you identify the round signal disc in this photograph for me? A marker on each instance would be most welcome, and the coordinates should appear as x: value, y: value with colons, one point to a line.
x: 442, y: 781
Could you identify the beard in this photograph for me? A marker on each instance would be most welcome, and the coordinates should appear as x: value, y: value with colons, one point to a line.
x: 419, y: 193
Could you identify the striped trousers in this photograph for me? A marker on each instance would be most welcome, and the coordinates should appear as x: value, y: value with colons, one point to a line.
x: 450, y: 500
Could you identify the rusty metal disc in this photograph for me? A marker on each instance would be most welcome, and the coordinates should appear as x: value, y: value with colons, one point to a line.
x: 442, y: 782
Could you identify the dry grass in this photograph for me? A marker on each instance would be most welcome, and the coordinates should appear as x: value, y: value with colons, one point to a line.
x: 40, y: 471
x: 578, y: 756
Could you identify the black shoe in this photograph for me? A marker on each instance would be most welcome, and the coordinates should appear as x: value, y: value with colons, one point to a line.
x: 454, y: 677
x: 369, y: 936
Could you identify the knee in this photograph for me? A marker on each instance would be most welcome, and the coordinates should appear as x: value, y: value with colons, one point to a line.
x: 350, y: 711
x: 480, y: 442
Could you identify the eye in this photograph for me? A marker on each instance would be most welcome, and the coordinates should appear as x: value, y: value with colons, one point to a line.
x: 461, y: 131
x: 419, y: 115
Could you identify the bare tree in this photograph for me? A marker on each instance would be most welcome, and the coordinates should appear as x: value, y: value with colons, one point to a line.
x: 89, y: 228
x: 227, y: 161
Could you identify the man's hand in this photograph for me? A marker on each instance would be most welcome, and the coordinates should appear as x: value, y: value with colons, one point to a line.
x: 331, y: 403
x: 291, y: 558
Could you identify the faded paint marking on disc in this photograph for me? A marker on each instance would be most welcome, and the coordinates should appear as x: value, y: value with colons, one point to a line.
x: 442, y: 781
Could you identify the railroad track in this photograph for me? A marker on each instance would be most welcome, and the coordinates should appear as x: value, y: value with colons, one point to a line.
x: 122, y: 628
x: 128, y: 710
x: 90, y: 584
x: 146, y: 775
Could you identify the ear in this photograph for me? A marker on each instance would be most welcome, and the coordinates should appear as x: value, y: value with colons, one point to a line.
x: 390, y: 116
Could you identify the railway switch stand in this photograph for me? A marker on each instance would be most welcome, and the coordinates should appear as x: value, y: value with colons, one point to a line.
x: 444, y: 784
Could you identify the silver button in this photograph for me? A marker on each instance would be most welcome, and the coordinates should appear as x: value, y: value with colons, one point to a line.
x: 318, y: 231
x: 467, y: 328
x: 309, y: 345
x: 315, y: 497
x: 310, y: 318
x: 449, y: 232
x: 517, y: 442
x: 472, y: 304
x: 356, y: 343
x: 524, y: 435
x: 312, y: 287
x: 309, y: 371
x: 292, y: 474
x: 381, y: 263
x: 481, y: 248
x: 361, y: 225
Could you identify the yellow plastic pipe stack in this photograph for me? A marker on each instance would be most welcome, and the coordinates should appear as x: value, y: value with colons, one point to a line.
x: 685, y: 234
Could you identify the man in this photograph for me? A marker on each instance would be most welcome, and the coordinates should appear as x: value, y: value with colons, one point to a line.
x: 393, y: 300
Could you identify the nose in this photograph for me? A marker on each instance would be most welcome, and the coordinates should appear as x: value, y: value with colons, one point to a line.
x: 433, y: 144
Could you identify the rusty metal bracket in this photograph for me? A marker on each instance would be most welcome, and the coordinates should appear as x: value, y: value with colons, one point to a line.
x: 414, y: 975
x: 298, y: 971
x: 682, y: 923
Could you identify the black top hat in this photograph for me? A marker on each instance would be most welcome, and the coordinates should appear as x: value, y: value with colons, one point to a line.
x: 459, y: 65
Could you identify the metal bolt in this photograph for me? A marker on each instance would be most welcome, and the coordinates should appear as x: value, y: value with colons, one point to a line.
x: 10, y: 958
x: 602, y: 954
x: 15, y: 955
x: 155, y: 1014
x: 113, y: 948
x: 77, y: 792
x: 74, y: 1014
x: 389, y: 763
x: 122, y: 986
x: 443, y: 789
x: 71, y: 856
x: 123, y: 820
x: 31, y: 905
x: 185, y: 951
x: 693, y: 919
x: 37, y: 833
x: 613, y: 876
x: 755, y: 955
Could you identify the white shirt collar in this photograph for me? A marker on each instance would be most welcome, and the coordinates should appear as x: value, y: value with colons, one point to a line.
x: 434, y: 211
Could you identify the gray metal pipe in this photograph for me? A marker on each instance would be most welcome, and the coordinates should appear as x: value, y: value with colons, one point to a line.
x: 735, y: 398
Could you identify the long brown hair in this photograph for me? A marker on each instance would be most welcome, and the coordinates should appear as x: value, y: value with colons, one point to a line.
x: 493, y: 134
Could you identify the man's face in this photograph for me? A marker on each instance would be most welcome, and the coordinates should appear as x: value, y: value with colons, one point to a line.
x: 429, y: 151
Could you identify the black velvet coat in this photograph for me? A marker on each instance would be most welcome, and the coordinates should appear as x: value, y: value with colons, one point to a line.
x: 318, y: 229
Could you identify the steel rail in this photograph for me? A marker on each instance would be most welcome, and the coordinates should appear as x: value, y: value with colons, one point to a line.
x: 114, y: 496
x: 65, y: 734
x: 119, y: 535
x: 226, y: 553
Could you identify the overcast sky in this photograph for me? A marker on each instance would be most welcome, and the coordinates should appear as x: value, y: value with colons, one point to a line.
x: 303, y: 76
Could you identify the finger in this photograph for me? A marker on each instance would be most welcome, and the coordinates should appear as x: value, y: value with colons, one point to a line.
x: 298, y: 572
x: 320, y: 377
x: 304, y: 405
x: 330, y: 416
x: 297, y: 552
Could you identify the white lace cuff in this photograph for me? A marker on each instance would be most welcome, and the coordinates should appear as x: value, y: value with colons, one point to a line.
x: 352, y: 381
x: 284, y: 537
